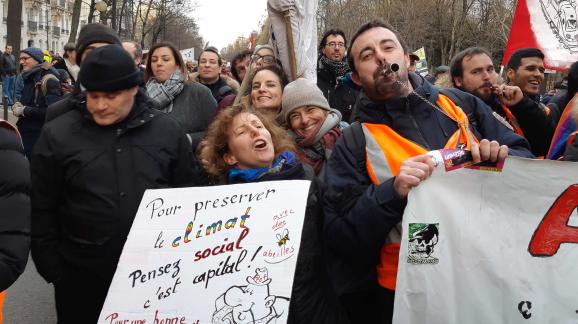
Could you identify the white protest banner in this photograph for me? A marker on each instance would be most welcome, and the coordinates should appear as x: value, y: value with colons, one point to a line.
x: 486, y: 247
x: 223, y: 254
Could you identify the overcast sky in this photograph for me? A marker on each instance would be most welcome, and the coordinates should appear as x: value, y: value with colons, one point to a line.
x: 222, y: 21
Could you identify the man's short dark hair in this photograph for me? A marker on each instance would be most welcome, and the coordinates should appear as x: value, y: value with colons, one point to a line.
x: 238, y: 58
x: 516, y: 59
x: 457, y: 66
x: 329, y: 33
x: 212, y: 50
x: 367, y: 26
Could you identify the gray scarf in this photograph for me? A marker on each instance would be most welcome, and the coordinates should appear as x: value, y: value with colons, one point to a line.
x: 163, y: 94
x: 337, y: 68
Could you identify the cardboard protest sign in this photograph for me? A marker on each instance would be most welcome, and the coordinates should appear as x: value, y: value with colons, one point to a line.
x: 223, y: 254
x: 421, y: 65
x: 489, y: 247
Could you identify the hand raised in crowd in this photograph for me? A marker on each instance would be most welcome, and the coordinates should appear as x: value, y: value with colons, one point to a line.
x: 412, y: 172
x: 488, y: 151
x: 508, y: 95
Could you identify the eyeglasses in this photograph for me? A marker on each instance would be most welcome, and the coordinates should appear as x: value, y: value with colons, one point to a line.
x: 334, y: 44
x: 25, y: 58
x: 267, y: 59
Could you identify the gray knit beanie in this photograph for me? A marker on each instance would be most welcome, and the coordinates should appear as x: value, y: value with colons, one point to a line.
x: 299, y: 93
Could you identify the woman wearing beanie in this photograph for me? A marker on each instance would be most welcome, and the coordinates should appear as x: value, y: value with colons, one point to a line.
x: 191, y: 104
x: 266, y: 91
x: 245, y: 147
x: 314, y: 125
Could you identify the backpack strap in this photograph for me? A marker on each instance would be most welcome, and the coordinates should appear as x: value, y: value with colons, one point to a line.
x: 355, y: 141
x: 44, y: 82
x: 459, y: 98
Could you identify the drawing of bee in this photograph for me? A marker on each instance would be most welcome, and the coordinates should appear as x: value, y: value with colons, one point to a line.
x: 283, y: 238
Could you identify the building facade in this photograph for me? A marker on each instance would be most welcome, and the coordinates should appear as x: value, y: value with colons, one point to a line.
x: 45, y: 23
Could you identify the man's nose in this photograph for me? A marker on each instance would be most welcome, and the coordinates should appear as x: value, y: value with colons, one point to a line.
x: 380, y: 57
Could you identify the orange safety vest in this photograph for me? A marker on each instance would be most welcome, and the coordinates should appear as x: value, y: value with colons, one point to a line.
x: 2, y: 294
x: 385, y: 152
x: 513, y: 121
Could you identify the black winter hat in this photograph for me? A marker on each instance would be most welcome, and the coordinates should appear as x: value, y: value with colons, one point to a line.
x: 109, y: 68
x: 94, y: 33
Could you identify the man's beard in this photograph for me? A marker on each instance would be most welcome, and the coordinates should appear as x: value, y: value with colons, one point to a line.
x: 389, y: 83
x: 482, y: 93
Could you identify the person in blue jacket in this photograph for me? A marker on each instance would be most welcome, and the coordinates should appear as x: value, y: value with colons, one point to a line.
x: 41, y: 88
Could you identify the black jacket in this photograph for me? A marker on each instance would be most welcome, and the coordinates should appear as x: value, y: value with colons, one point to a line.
x: 220, y: 89
x: 194, y: 107
x: 36, y: 102
x: 359, y: 214
x: 538, y: 122
x: 14, y: 207
x: 9, y: 64
x: 340, y: 95
x: 312, y: 298
x: 88, y: 181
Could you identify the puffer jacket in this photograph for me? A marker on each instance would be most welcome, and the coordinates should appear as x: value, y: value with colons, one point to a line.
x: 88, y: 181
x: 14, y: 206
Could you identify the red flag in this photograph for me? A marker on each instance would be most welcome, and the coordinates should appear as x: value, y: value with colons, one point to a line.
x: 252, y: 41
x: 548, y: 25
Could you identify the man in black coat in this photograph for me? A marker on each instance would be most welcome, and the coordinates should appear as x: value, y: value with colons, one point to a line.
x: 331, y: 67
x: 91, y: 36
x: 90, y: 169
x: 41, y: 88
x: 525, y: 70
x: 8, y: 67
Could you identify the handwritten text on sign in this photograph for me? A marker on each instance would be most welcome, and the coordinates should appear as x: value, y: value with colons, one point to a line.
x: 221, y: 254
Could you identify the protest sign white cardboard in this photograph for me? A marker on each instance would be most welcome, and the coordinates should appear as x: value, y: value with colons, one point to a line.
x: 484, y: 247
x: 223, y: 254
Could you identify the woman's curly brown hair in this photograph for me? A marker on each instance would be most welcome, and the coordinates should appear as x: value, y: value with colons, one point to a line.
x: 216, y: 143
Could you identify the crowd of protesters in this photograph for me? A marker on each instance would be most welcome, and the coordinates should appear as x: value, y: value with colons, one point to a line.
x: 100, y: 126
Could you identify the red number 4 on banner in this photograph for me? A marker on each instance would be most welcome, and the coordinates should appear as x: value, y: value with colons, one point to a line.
x: 554, y: 229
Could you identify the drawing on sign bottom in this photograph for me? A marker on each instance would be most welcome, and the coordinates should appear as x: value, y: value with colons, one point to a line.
x: 524, y: 308
x: 252, y: 303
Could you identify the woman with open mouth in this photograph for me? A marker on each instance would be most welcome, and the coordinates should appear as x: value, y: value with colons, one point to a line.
x: 245, y: 147
x: 313, y: 124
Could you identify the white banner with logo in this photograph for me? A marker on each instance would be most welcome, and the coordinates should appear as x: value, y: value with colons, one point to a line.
x: 223, y: 254
x: 489, y: 247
